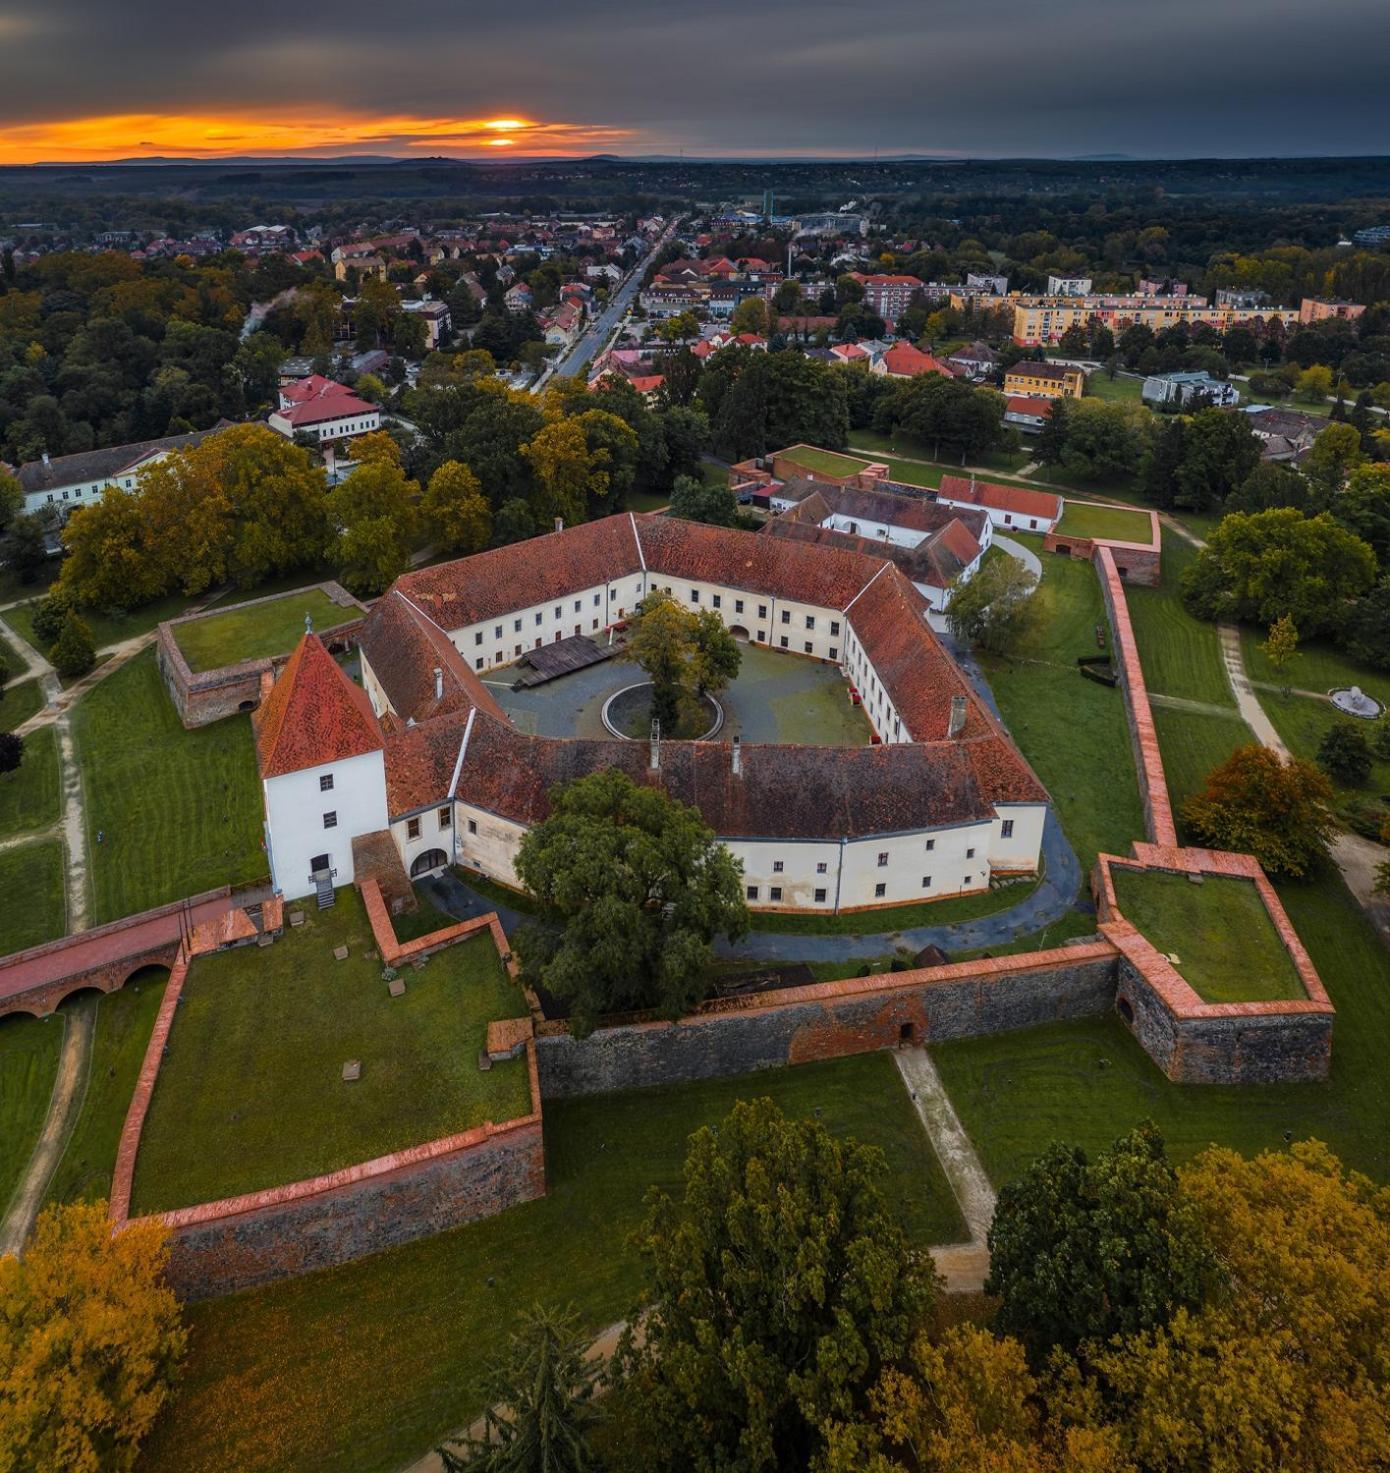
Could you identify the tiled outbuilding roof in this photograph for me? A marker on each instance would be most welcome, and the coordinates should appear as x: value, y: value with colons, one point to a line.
x: 1022, y: 501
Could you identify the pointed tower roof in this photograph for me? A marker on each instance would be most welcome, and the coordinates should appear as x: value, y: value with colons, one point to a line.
x: 313, y: 715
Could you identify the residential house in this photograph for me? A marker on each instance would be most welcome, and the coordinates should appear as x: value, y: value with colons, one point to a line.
x: 1025, y: 412
x: 902, y: 360
x: 1044, y: 380
x: 975, y: 361
x: 1019, y: 508
x: 325, y: 409
x: 1187, y: 388
x: 1324, y: 309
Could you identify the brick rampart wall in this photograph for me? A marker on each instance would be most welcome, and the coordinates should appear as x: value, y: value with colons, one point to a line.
x: 209, y: 695
x: 1148, y: 762
x: 1141, y: 565
x: 829, y: 1020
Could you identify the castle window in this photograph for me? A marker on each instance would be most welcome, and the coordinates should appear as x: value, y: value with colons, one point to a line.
x: 821, y: 867
x: 834, y: 626
x: 752, y: 892
x: 446, y: 818
x: 478, y: 637
x: 330, y: 820
x: 412, y: 828
x: 820, y: 897
x: 472, y: 825
x: 694, y: 595
x: 880, y: 891
x: 883, y: 859
x: 775, y: 893
x: 931, y: 844
x: 738, y: 606
x: 326, y: 783
x: 970, y: 854
x: 777, y: 866
x: 926, y: 882
x: 784, y: 642
x: 786, y: 616
x: 834, y: 653
x: 762, y: 611
x: 1006, y: 829
x: 538, y: 617
x: 717, y: 600
x: 810, y: 621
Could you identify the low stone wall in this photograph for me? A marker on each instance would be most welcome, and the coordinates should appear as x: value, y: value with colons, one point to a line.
x: 1136, y: 562
x: 829, y: 1020
x: 209, y: 695
x: 221, y: 1247
x: 1148, y: 761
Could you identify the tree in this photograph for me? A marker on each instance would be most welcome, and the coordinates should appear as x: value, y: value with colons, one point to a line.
x: 583, y: 465
x: 1082, y: 1250
x: 74, y: 651
x: 11, y: 499
x: 1105, y: 439
x: 996, y: 608
x: 1268, y: 485
x: 1363, y: 508
x: 632, y: 887
x: 1220, y: 453
x: 11, y: 751
x: 540, y: 1399
x: 1254, y: 803
x: 378, y: 447
x: 750, y: 316
x: 662, y: 640
x: 114, y: 561
x: 781, y: 1285
x: 1368, y: 627
x: 1051, y: 444
x: 1161, y: 468
x: 1315, y: 384
x: 716, y: 657
x: 1281, y: 647
x: 1285, y: 1368
x: 455, y: 509
x: 1333, y: 455
x: 1259, y: 566
x: 374, y: 513
x: 48, y: 615
x: 1344, y: 754
x: 764, y: 401
x: 696, y: 501
x: 90, y: 1339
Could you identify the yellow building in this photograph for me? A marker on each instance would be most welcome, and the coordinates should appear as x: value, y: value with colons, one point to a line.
x: 1044, y: 320
x: 1044, y: 381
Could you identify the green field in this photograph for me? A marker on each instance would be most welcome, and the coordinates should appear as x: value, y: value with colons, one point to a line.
x: 1316, y: 667
x: 1102, y: 386
x: 107, y: 629
x: 1191, y: 744
x: 1225, y: 942
x: 1089, y: 1082
x: 827, y: 462
x: 1073, y: 731
x: 881, y: 447
x: 1303, y: 721
x: 18, y: 703
x: 257, y: 631
x: 30, y: 796
x: 1116, y: 523
x: 1181, y: 655
x: 34, y: 908
x: 251, y: 1093
x: 179, y: 811
x: 123, y: 1024
x: 366, y: 1366
x: 29, y: 1049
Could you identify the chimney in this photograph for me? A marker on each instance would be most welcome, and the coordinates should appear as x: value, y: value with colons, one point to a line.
x: 957, y: 724
x: 738, y: 758
x: 656, y: 745
x: 438, y: 684
x: 45, y: 457
x: 559, y: 524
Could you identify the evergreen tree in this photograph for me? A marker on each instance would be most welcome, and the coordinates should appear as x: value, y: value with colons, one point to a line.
x: 74, y: 652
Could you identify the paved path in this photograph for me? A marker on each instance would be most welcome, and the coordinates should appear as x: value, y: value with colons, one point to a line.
x: 1247, y: 702
x: 962, y: 1265
x: 79, y: 1026
x: 1025, y: 555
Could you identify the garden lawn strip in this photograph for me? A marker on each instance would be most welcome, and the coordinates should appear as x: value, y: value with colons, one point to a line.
x: 33, y: 905
x: 29, y: 1049
x: 1181, y: 655
x: 30, y: 797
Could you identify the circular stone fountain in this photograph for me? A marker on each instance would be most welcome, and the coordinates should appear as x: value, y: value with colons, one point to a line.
x: 1354, y: 701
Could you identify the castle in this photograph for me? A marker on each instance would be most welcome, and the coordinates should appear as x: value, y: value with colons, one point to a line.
x: 940, y: 803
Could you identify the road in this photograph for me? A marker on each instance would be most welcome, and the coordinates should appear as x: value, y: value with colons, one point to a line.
x: 597, y: 334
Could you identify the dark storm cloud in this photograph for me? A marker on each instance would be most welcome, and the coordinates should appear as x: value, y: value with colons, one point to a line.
x: 1015, y: 76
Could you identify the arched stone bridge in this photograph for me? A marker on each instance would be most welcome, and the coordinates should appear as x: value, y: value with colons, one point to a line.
x: 37, y: 980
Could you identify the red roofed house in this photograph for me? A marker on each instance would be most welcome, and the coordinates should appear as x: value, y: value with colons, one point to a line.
x: 1018, y: 507
x: 323, y: 772
x: 324, y: 408
x: 902, y: 360
x: 1026, y: 412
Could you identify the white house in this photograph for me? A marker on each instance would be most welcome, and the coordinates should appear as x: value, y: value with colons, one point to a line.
x: 324, y: 408
x: 1185, y: 388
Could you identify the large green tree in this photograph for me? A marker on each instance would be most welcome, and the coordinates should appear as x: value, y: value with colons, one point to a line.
x: 780, y: 1284
x: 1260, y: 566
x: 996, y: 608
x: 1081, y: 1249
x: 374, y: 514
x: 633, y: 888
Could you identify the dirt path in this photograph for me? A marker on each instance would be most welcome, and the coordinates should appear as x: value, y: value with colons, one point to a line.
x: 79, y: 1028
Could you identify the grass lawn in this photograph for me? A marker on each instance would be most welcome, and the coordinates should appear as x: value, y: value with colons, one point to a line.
x: 1181, y: 655
x: 1117, y: 523
x: 898, y: 917
x: 108, y: 629
x: 1316, y: 667
x: 18, y: 703
x: 29, y: 1049
x: 1102, y: 386
x: 1089, y: 1082
x: 258, y: 632
x: 827, y: 462
x: 423, y: 921
x: 903, y: 444
x: 1225, y: 942
x: 1073, y: 731
x: 34, y: 908
x: 180, y: 810
x: 364, y: 1367
x: 1302, y: 722
x: 124, y: 1021
x: 251, y: 1093
x: 29, y: 796
x: 1191, y: 744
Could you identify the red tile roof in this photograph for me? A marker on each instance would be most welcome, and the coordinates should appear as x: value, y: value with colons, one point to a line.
x: 1028, y: 404
x: 313, y: 715
x: 1019, y: 500
x: 902, y: 360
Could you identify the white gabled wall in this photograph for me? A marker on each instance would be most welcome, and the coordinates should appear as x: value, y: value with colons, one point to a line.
x: 295, y: 805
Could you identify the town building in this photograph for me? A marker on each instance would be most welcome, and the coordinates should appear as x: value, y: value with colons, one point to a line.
x: 1068, y: 286
x: 1188, y: 388
x: 364, y: 259
x: 1016, y: 508
x: 435, y: 316
x: 888, y: 296
x: 1324, y: 309
x: 1027, y: 413
x: 1039, y: 320
x: 992, y: 286
x: 63, y: 482
x: 939, y: 803
x: 1044, y: 380
x: 902, y: 360
x: 323, y: 408
x: 975, y: 361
